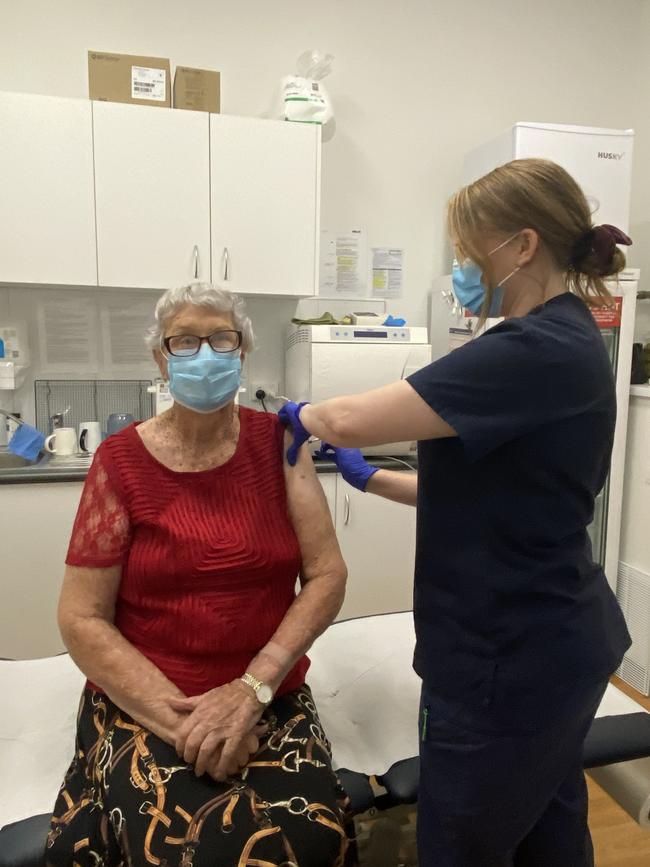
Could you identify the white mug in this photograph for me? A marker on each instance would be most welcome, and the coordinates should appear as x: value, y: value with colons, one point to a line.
x: 62, y: 442
x: 90, y: 436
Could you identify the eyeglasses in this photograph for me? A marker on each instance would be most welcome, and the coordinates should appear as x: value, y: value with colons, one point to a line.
x: 186, y: 345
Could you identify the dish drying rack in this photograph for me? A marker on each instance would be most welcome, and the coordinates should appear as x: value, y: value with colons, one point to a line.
x: 79, y: 400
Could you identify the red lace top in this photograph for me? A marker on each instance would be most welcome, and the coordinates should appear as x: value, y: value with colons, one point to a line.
x: 209, y: 559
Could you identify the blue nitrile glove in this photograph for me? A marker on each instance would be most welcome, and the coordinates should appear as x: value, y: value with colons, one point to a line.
x: 289, y: 415
x: 351, y: 463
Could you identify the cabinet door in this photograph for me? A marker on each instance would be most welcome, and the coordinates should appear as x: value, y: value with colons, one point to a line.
x: 265, y: 205
x: 32, y: 573
x: 47, y: 208
x: 152, y: 171
x: 377, y: 539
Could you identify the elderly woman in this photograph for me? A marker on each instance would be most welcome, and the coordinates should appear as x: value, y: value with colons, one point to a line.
x: 198, y: 741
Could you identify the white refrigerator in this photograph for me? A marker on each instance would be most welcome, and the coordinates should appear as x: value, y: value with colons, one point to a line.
x: 599, y: 159
x: 617, y: 327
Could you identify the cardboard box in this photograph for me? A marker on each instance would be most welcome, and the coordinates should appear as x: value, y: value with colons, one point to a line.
x: 129, y: 78
x: 197, y: 89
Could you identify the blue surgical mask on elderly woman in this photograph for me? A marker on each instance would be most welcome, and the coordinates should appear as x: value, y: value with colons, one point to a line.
x: 204, y: 382
x: 467, y: 282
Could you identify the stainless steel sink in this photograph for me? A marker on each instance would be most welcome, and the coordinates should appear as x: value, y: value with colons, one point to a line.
x: 47, y: 467
x: 11, y: 461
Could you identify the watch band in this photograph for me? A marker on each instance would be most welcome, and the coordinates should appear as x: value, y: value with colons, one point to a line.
x: 263, y: 692
x: 251, y: 681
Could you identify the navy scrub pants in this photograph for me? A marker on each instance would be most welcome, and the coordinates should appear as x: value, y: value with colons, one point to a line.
x: 492, y: 799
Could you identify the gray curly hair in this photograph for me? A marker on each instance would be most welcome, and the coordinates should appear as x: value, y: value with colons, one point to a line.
x: 202, y: 295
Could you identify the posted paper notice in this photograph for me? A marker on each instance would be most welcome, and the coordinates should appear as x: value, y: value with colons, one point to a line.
x: 343, y: 265
x: 66, y: 333
x: 123, y: 321
x: 387, y: 271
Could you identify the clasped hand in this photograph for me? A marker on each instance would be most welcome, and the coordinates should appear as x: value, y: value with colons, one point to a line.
x: 221, y: 731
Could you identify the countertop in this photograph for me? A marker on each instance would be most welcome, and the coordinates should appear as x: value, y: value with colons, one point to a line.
x: 75, y: 469
x: 640, y: 390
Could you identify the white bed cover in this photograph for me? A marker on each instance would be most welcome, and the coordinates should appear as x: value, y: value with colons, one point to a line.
x: 365, y: 689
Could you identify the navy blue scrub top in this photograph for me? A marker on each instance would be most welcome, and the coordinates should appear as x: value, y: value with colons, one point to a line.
x: 511, y: 613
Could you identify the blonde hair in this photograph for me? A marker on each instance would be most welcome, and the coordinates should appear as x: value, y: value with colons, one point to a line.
x: 533, y: 194
x: 201, y: 295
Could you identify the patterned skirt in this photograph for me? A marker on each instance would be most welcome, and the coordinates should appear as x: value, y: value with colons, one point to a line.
x: 127, y: 799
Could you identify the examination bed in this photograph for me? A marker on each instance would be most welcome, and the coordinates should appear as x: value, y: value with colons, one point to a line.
x: 367, y: 695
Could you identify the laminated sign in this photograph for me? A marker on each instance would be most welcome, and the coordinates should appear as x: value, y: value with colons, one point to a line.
x: 609, y: 317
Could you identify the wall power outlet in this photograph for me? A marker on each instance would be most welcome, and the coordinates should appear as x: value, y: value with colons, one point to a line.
x: 270, y: 389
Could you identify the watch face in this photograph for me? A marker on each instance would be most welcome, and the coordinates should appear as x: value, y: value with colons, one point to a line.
x: 265, y: 694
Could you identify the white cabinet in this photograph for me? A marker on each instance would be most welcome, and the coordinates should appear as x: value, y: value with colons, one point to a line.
x: 265, y: 190
x: 35, y: 525
x: 141, y: 197
x: 152, y: 175
x: 377, y: 539
x: 47, y: 208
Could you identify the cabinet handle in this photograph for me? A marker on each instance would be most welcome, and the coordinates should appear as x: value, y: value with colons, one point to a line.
x: 226, y: 264
x: 196, y: 262
x: 346, y: 512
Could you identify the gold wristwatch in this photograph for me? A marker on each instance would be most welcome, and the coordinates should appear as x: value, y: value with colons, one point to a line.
x: 263, y: 691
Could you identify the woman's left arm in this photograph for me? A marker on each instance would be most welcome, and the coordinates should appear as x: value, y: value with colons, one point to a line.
x: 324, y: 574
x: 393, y: 413
x: 227, y: 714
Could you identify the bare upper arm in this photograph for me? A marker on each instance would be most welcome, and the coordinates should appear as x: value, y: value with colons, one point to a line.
x: 88, y: 592
x: 310, y: 516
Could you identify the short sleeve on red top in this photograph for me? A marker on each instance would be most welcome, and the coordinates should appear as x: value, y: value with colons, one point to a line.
x: 101, y: 532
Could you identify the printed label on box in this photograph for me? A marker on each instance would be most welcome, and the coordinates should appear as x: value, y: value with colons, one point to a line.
x: 148, y: 83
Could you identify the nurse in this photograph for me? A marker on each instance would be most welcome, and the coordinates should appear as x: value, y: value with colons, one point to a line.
x: 517, y: 628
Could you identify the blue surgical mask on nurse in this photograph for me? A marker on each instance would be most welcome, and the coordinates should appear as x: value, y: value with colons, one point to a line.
x: 470, y: 290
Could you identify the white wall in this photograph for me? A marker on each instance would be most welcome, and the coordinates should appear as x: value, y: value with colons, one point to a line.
x: 415, y: 84
x: 635, y: 538
x: 640, y: 89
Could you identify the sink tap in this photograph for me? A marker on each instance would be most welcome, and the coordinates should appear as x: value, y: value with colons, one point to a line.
x: 56, y: 421
x: 4, y: 427
x: 11, y: 416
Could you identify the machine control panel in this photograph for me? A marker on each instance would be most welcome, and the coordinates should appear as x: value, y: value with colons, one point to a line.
x: 354, y: 333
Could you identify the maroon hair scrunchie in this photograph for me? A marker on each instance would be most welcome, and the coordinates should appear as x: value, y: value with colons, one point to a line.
x: 602, y: 241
